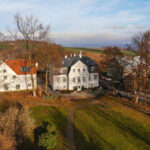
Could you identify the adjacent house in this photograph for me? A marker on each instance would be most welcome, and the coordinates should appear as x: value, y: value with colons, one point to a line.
x: 75, y: 73
x: 15, y: 75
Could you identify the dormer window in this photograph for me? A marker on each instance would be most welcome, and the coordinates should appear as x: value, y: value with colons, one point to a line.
x: 4, y: 70
x: 25, y: 69
x: 92, y: 68
x: 83, y: 69
x: 74, y: 70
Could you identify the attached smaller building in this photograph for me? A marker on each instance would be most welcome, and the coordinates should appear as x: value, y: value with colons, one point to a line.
x: 15, y: 75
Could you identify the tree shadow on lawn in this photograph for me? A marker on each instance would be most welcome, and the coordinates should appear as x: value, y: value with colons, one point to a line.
x: 29, y: 145
x: 37, y: 132
x: 123, y: 127
x: 55, y: 118
x: 83, y: 144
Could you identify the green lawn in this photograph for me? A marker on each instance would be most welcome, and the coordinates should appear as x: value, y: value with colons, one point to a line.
x: 111, y: 125
x: 53, y: 115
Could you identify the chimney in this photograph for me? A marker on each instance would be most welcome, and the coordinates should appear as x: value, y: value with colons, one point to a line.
x: 80, y: 55
x: 65, y: 56
x: 36, y: 64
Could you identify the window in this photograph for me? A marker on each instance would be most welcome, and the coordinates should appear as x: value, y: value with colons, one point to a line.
x: 89, y: 78
x: 61, y: 70
x: 5, y: 77
x: 84, y: 79
x: 74, y: 80
x: 14, y: 77
x: 6, y: 87
x: 64, y: 79
x: 57, y: 80
x: 25, y: 69
x: 29, y: 85
x: 78, y: 70
x: 78, y: 79
x: 74, y: 70
x: 83, y: 69
x: 4, y: 70
x: 18, y: 86
x: 95, y: 77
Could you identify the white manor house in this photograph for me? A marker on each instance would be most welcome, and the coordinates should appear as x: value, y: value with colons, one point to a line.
x: 77, y: 72
x: 15, y: 75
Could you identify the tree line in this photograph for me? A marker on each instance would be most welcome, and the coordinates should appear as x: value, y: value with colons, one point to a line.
x: 116, y: 64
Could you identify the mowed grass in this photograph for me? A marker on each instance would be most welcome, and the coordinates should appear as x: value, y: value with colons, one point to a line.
x: 53, y: 115
x: 111, y: 125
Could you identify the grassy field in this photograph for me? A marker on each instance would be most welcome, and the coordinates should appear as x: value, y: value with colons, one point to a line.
x: 93, y: 50
x: 53, y: 115
x: 111, y: 125
x: 105, y: 123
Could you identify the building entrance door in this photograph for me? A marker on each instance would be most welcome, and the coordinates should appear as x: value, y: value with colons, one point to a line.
x: 79, y: 88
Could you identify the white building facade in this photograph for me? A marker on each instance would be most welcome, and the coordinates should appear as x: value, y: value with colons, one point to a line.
x: 15, y: 76
x: 76, y: 73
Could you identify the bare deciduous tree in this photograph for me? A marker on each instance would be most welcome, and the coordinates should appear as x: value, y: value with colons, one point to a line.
x: 32, y: 31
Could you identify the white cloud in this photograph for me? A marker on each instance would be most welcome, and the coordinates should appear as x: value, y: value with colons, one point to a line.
x: 81, y: 20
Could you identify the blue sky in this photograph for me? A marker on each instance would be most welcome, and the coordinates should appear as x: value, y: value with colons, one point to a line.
x: 92, y: 23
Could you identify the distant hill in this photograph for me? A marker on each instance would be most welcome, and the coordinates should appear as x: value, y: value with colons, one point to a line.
x: 95, y: 50
x: 18, y: 49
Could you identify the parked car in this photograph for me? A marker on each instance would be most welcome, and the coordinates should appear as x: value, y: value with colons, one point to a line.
x: 108, y: 79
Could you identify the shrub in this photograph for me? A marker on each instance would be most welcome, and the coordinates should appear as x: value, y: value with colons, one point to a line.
x: 52, y: 97
x: 7, y: 143
x: 50, y: 129
x: 47, y: 140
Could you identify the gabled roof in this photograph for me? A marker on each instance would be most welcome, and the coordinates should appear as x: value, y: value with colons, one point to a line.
x: 17, y: 65
x: 70, y: 61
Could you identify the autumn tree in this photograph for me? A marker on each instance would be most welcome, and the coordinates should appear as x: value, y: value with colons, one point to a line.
x: 113, y: 63
x: 142, y: 72
x: 46, y: 54
x: 32, y: 31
